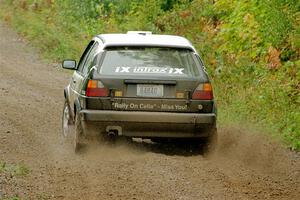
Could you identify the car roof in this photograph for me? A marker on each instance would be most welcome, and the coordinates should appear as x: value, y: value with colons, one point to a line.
x: 133, y: 38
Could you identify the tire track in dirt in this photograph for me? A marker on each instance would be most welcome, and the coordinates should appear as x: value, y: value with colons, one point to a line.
x: 246, y: 166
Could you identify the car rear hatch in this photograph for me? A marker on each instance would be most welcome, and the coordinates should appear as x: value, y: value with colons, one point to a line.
x: 150, y: 79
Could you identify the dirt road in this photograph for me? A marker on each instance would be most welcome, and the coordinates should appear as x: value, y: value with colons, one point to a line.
x: 245, y: 166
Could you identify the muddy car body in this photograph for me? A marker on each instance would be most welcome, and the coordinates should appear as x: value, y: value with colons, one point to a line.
x: 140, y: 85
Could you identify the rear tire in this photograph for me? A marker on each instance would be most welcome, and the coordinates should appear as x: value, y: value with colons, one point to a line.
x: 78, y: 135
x: 67, y: 121
x: 210, y: 143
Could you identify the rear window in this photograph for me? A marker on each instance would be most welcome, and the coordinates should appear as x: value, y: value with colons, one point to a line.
x: 149, y: 61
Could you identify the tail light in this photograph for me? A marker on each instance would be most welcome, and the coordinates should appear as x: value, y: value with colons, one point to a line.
x: 96, y: 89
x: 203, y: 92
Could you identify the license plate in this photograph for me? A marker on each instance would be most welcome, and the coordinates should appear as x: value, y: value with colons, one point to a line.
x: 144, y: 90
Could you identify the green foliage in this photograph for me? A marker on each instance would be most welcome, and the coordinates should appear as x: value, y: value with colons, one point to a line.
x: 14, y: 170
x: 12, y: 198
x: 251, y: 47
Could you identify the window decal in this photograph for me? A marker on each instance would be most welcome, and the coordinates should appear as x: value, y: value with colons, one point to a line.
x: 150, y: 70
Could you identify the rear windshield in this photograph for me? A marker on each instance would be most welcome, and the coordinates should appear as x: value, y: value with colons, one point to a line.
x: 149, y: 61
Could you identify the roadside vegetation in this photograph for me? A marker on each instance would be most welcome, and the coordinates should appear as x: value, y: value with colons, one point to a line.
x: 251, y: 48
x: 11, y: 171
x: 14, y: 170
x: 12, y: 198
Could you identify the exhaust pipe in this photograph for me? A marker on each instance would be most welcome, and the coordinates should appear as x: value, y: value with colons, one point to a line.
x: 117, y: 130
x: 111, y: 135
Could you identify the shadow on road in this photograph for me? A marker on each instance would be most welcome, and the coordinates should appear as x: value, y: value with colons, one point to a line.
x: 166, y: 147
x: 181, y: 148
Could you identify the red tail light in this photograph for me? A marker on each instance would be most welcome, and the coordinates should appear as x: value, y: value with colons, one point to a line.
x: 203, y: 92
x: 96, y: 89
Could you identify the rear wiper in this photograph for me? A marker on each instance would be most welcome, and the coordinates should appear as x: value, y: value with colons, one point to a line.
x: 142, y: 81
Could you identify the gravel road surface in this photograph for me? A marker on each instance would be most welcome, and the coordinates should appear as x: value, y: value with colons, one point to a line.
x: 245, y: 165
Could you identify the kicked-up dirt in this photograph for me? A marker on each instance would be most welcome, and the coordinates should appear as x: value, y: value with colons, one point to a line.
x: 244, y: 166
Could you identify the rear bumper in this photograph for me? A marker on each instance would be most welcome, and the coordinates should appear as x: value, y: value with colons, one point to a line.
x: 152, y: 124
x: 148, y: 117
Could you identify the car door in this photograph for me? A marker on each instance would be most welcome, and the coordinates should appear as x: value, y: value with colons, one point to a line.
x: 82, y: 71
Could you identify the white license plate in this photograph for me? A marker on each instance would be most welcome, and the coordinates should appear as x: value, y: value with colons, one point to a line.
x: 144, y: 90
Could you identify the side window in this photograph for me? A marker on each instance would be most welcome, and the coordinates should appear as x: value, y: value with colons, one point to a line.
x: 84, y: 56
x: 90, y: 58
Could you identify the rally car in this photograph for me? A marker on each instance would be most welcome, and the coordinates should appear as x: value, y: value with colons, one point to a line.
x: 139, y: 85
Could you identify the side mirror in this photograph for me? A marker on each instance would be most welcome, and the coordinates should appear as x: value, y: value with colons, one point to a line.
x: 69, y: 64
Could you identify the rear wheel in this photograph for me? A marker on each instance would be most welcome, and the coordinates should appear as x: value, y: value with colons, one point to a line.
x: 78, y: 135
x: 67, y: 121
x: 72, y: 130
x: 210, y: 143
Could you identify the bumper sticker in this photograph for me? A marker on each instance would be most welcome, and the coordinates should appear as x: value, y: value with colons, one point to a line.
x: 147, y: 106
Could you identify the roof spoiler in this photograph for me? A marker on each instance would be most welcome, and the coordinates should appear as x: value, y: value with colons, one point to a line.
x: 140, y: 32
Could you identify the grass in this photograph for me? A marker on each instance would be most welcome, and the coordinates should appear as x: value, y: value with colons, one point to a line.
x: 18, y: 170
x: 12, y: 198
x: 14, y: 170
